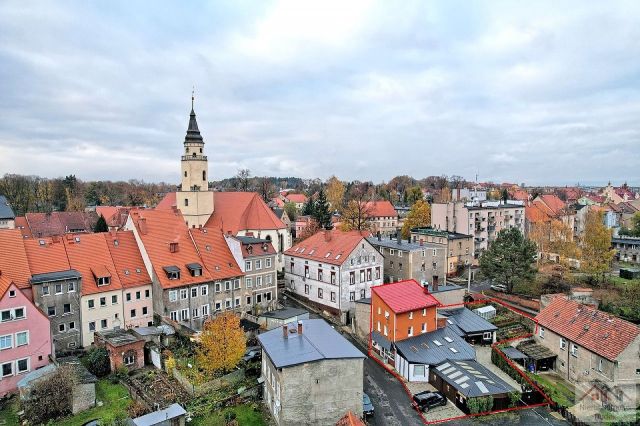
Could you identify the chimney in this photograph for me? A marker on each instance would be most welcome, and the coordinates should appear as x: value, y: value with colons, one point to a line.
x: 434, y: 286
x: 399, y: 237
x: 379, y: 235
x: 441, y: 322
x: 327, y: 235
x: 421, y: 242
x: 299, y: 327
x: 285, y: 331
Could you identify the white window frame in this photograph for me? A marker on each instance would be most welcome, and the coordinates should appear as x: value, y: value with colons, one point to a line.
x: 26, y: 333
x: 204, y: 290
x: 10, y: 336
x: 173, y: 295
x: 247, y: 265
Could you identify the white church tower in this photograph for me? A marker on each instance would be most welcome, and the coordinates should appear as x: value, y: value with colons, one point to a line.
x: 194, y: 199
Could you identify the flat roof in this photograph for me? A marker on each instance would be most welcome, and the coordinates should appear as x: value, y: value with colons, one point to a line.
x: 284, y: 313
x: 403, y: 245
x: 438, y: 233
x: 118, y: 337
x: 160, y: 416
x: 55, y: 276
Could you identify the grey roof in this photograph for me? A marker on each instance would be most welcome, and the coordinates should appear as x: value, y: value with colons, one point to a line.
x: 381, y: 340
x: 248, y: 325
x: 404, y: 245
x: 251, y: 240
x: 427, y: 230
x: 284, y: 313
x: 194, y: 266
x: 628, y: 240
x: 118, y: 337
x: 193, y: 133
x: 443, y: 288
x: 160, y: 416
x: 471, y: 378
x: 467, y: 321
x: 513, y: 353
x: 55, y: 276
x: 154, y: 331
x: 84, y: 376
x: 171, y: 268
x: 423, y: 349
x: 278, y: 211
x: 318, y: 341
x: 6, y: 212
x: 366, y: 301
x: 36, y: 374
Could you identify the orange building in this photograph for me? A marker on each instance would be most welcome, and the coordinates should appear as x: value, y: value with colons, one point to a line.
x: 401, y: 310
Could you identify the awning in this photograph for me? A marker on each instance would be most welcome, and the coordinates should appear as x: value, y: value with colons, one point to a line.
x: 536, y: 351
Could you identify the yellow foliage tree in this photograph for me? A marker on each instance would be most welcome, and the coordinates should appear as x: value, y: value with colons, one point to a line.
x: 355, y: 216
x: 556, y: 237
x: 335, y: 193
x: 222, y: 344
x: 596, y: 245
x: 419, y: 215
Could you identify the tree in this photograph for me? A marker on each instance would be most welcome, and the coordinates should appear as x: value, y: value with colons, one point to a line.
x: 97, y: 362
x: 243, y: 177
x: 355, y: 216
x: 291, y: 210
x: 504, y: 196
x: 266, y: 189
x: 222, y: 343
x: 556, y: 237
x: 101, y: 225
x: 634, y: 231
x: 321, y: 211
x: 308, y: 208
x: 509, y: 258
x: 335, y: 193
x: 414, y: 194
x: 596, y: 245
x: 419, y: 215
x: 51, y: 397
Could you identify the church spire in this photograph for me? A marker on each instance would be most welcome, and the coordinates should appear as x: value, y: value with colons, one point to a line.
x: 193, y: 133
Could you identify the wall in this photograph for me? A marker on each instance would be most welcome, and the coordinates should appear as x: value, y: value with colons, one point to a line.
x: 112, y: 312
x: 450, y: 297
x: 266, y: 274
x: 276, y: 235
x: 363, y: 319
x: 140, y: 320
x: 84, y: 397
x: 117, y: 358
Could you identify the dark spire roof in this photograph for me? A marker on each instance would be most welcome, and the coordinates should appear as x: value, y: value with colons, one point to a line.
x: 193, y: 133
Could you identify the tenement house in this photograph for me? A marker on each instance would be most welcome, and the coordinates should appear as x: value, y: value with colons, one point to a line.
x: 458, y: 247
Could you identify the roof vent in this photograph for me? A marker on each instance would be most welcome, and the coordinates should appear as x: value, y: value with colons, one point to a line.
x: 77, y: 239
x: 41, y: 242
x: 586, y: 327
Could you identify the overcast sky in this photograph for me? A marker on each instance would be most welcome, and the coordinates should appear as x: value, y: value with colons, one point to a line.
x: 530, y: 92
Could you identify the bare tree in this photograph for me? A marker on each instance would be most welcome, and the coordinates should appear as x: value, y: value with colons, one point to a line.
x: 243, y: 178
x: 266, y: 188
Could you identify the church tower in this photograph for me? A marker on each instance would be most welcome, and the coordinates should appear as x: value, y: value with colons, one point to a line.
x: 194, y: 199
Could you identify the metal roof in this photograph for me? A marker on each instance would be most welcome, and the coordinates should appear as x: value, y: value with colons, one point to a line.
x: 381, y: 340
x: 471, y: 378
x: 194, y: 266
x: 169, y: 269
x: 318, y: 341
x: 284, y: 313
x: 513, y: 353
x: 467, y: 321
x: 160, y: 417
x: 535, y: 350
x: 403, y: 245
x: 6, y: 212
x: 251, y: 240
x: 55, y: 276
x: 434, y: 347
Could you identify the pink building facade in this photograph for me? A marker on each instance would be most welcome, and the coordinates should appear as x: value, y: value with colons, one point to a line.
x: 25, y: 336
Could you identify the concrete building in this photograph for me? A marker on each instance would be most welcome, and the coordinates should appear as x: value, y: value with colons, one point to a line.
x: 481, y: 220
x: 593, y: 348
x: 333, y: 269
x: 383, y: 217
x: 25, y: 336
x: 312, y: 375
x: 7, y: 217
x: 459, y: 248
x: 404, y: 260
x: 627, y: 249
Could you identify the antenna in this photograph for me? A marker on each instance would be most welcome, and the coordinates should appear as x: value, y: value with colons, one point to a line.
x: 193, y: 95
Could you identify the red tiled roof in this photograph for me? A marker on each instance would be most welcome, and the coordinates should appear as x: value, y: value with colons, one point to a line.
x: 296, y: 198
x: 350, y: 419
x: 106, y: 211
x: 5, y: 283
x: 381, y: 209
x: 91, y: 257
x: 536, y: 213
x: 23, y: 226
x: 13, y: 258
x: 257, y: 249
x: 405, y: 296
x: 157, y: 230
x: 168, y: 202
x: 59, y: 223
x: 278, y: 202
x: 599, y: 332
x: 555, y: 204
x: 335, y: 251
x: 127, y: 259
x: 46, y: 255
x: 215, y: 253
x: 237, y: 211
x: 596, y: 198
x: 520, y: 195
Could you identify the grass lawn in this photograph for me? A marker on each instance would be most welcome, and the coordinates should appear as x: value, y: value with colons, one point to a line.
x: 558, y: 390
x: 246, y: 415
x: 8, y: 414
x: 115, y: 399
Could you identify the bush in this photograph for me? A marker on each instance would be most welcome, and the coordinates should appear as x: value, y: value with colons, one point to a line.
x: 97, y: 362
x: 514, y: 398
x: 50, y: 398
x: 480, y: 404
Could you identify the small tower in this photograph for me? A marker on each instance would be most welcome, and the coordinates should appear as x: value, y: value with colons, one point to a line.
x: 194, y: 199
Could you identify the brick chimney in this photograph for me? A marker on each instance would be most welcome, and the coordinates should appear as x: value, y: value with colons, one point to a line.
x: 379, y: 235
x: 299, y: 327
x: 285, y: 331
x: 421, y: 242
x: 441, y: 322
x: 434, y: 286
x: 327, y: 235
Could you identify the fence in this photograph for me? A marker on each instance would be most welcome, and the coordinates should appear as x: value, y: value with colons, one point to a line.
x: 215, y: 384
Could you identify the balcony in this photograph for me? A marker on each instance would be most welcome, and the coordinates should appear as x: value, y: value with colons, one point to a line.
x: 194, y: 157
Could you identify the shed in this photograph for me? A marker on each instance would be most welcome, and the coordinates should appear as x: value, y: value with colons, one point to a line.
x: 486, y: 312
x: 541, y: 357
x: 280, y: 317
x: 629, y: 274
x: 173, y: 415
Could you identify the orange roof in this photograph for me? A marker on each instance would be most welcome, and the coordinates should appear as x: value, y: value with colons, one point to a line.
x: 215, y: 253
x: 127, y: 259
x: 46, y: 255
x: 296, y: 198
x: 334, y: 251
x: 599, y: 332
x: 520, y: 195
x: 157, y: 230
x: 13, y: 258
x: 405, y: 296
x: 555, y: 204
x: 23, y: 226
x: 90, y: 256
x: 536, y: 212
x: 237, y: 211
x: 350, y: 419
x: 278, y: 202
x: 106, y: 211
x: 5, y: 283
x: 58, y: 223
x: 381, y: 209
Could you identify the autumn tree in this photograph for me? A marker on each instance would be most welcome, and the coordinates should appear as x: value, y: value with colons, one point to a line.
x: 222, y: 344
x: 335, y: 193
x: 509, y: 258
x: 555, y: 237
x: 634, y: 230
x: 414, y: 194
x: 355, y: 216
x: 419, y: 215
x: 596, y: 245
x: 291, y: 210
x: 50, y: 397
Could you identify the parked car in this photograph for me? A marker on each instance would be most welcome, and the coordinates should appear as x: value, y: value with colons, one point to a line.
x: 253, y: 353
x: 427, y: 400
x: 499, y: 287
x: 367, y: 406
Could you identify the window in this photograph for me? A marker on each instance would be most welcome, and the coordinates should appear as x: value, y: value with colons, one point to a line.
x: 236, y: 284
x: 128, y: 297
x: 258, y: 298
x: 133, y: 313
x: 103, y: 301
x: 248, y: 282
x: 173, y: 295
x: 227, y: 285
x: 418, y: 370
x: 22, y: 338
x: 386, y: 332
x: 352, y: 278
x: 362, y: 294
x: 563, y: 343
x: 410, y: 332
x: 424, y: 312
x: 45, y: 290
x: 90, y: 303
x: 7, y: 369
x: 71, y: 287
x: 218, y: 306
x: 267, y: 262
x: 147, y: 293
x: 319, y: 293
x: 6, y: 342
x: 103, y: 323
x: 51, y: 311
x: 369, y: 274
x: 61, y: 328
x: 104, y: 280
x: 184, y: 314
x: 319, y: 274
x: 377, y: 273
x: 541, y: 332
x: 247, y: 265
x: 58, y: 288
x: 599, y: 364
x: 306, y: 271
x: 174, y: 315
x: 205, y: 310
x: 186, y: 202
x: 269, y: 279
x: 145, y: 310
x: 392, y: 252
x: 184, y: 293
x: 333, y: 277
x: 378, y: 325
x: 218, y: 287
x: 333, y: 296
x: 66, y: 308
x: 194, y: 292
x: 138, y: 295
x: 410, y: 315
x: 204, y: 290
x: 114, y: 299
x: 362, y: 276
x: 399, y: 253
x: 92, y: 326
x: 574, y: 350
x: 352, y: 296
x: 72, y: 325
x: 487, y: 335
x: 424, y: 327
x: 237, y: 302
x: 194, y: 313
x: 227, y: 303
x: 306, y: 289
x: 258, y: 264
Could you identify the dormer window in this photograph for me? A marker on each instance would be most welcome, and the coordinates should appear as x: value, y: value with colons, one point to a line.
x: 195, y: 269
x: 101, y: 275
x: 173, y: 272
x: 103, y: 280
x: 173, y: 247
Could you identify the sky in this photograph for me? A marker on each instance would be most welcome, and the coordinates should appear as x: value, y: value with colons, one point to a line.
x: 529, y: 92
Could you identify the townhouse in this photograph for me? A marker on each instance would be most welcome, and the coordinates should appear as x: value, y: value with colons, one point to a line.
x: 382, y: 216
x: 592, y: 348
x: 548, y: 207
x: 25, y: 336
x: 312, y: 375
x: 458, y: 248
x: 257, y: 259
x: 38, y: 225
x: 7, y: 217
x: 403, y: 260
x: 481, y: 220
x: 333, y: 269
x: 627, y: 249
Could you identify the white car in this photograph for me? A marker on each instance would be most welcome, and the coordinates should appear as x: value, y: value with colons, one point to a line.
x: 499, y: 287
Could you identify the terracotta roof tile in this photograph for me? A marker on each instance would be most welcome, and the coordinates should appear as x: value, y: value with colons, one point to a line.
x: 5, y: 283
x: 215, y: 254
x: 381, y: 209
x: 599, y: 332
x: 536, y: 213
x: 59, y: 223
x: 296, y: 198
x: 405, y: 296
x: 46, y: 255
x: 127, y: 259
x: 91, y: 257
x: 334, y: 251
x: 13, y: 258
x: 23, y: 226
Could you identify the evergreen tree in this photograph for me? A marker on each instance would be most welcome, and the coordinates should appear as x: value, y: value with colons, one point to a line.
x: 101, y: 225
x: 308, y: 208
x: 509, y: 259
x: 321, y: 211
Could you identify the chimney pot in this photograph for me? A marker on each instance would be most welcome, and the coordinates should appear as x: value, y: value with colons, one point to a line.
x: 327, y: 235
x: 285, y: 331
x: 299, y: 327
